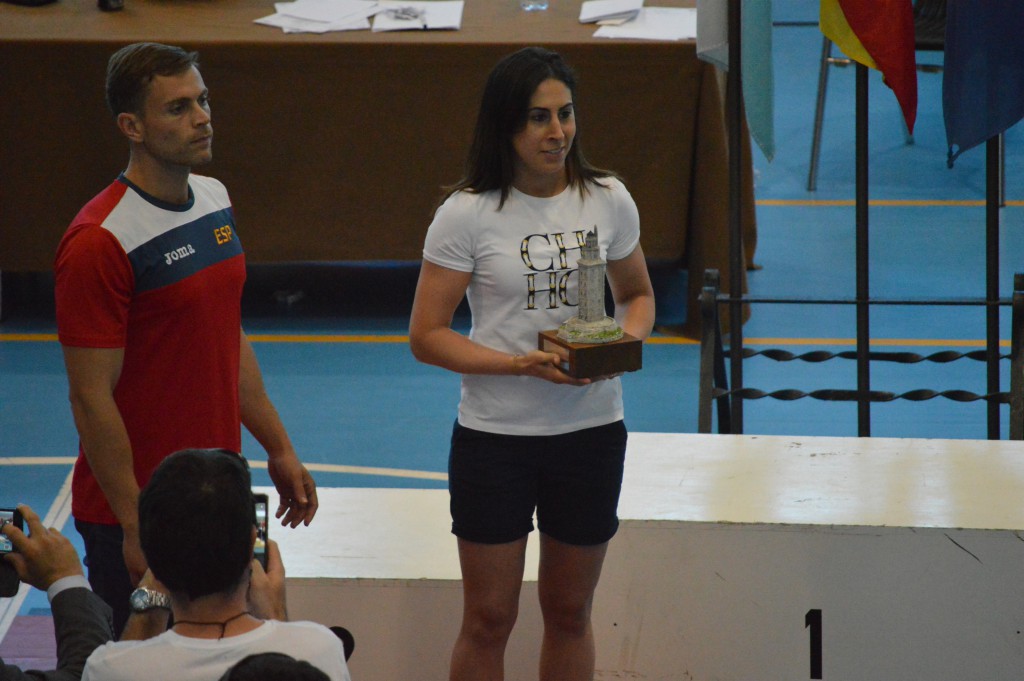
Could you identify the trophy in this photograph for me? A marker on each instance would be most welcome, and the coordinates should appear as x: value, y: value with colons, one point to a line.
x: 596, y: 344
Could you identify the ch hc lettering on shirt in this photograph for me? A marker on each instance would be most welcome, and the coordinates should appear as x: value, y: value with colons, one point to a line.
x: 549, y: 274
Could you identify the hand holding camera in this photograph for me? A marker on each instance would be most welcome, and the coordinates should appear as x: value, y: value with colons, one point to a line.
x: 39, y: 558
x: 8, y: 576
x: 266, y: 595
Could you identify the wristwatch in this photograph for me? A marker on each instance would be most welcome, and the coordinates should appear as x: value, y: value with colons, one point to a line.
x: 143, y: 599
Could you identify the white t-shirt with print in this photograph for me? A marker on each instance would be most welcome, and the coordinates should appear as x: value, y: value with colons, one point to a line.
x: 523, y: 262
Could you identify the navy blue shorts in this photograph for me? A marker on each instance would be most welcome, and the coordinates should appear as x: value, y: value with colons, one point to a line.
x: 572, y: 480
x: 108, y: 576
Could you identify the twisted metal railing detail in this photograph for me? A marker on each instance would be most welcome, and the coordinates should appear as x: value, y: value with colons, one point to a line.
x: 714, y: 377
x: 943, y: 357
x: 836, y: 395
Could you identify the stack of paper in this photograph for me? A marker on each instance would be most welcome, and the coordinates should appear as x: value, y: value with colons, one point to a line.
x: 609, y: 12
x: 321, y: 16
x: 396, y: 15
x: 656, y: 23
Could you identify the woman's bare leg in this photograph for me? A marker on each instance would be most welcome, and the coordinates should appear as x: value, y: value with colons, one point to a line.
x: 492, y: 576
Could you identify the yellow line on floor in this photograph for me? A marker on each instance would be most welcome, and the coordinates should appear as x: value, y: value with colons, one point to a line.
x: 36, y: 460
x: 326, y: 338
x: 671, y: 340
x: 879, y: 202
x: 29, y: 337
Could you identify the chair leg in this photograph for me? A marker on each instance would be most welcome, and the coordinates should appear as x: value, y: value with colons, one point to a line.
x: 819, y: 113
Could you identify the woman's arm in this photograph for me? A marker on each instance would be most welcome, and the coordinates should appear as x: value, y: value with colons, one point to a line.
x: 633, y: 293
x: 432, y: 340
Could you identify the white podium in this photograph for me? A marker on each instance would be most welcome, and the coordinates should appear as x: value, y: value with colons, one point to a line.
x: 739, y: 558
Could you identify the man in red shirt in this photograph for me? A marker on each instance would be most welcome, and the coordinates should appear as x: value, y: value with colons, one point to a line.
x: 149, y: 279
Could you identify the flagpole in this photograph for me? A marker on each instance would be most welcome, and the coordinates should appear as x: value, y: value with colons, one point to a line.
x: 736, y: 261
x: 992, y: 200
x: 863, y: 302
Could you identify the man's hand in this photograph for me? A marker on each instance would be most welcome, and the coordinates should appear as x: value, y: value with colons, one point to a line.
x: 134, y: 558
x: 296, y: 488
x: 44, y: 555
x: 266, y: 587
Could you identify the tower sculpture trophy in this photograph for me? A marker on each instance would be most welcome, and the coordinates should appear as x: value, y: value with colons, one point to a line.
x: 596, y: 344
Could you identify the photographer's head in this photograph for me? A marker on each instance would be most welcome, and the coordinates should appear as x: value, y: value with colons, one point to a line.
x: 276, y: 666
x: 196, y: 522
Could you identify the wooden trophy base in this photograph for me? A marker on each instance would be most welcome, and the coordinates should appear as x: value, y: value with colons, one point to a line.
x: 589, y: 360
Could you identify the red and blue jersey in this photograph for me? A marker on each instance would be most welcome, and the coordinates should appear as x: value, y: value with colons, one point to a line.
x: 163, y: 282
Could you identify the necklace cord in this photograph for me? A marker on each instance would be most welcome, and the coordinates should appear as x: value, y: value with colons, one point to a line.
x: 223, y: 625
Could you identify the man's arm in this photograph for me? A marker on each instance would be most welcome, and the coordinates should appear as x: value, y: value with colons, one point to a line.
x: 153, y: 622
x: 293, y: 482
x: 82, y: 621
x: 92, y: 375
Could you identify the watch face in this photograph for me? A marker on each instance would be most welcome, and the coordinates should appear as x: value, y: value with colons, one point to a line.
x: 143, y: 599
x: 139, y: 600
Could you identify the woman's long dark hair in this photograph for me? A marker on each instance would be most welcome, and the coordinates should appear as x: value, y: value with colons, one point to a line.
x: 503, y: 112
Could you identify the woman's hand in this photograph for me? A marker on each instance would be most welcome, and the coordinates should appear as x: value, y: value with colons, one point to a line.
x: 546, y: 366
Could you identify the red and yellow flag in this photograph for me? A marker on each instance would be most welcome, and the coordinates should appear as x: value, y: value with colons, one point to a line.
x: 880, y: 35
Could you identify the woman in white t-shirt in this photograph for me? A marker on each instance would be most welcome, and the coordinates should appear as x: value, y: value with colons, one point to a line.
x: 528, y: 436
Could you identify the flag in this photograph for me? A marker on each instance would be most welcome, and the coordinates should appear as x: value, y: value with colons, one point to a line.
x: 983, y: 76
x: 755, y: 55
x: 880, y: 35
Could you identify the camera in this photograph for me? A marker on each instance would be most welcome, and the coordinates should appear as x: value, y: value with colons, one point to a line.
x: 260, y: 503
x: 13, y: 516
x: 9, y: 582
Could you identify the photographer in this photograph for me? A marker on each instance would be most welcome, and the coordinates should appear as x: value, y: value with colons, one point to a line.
x: 45, y: 559
x: 197, y: 530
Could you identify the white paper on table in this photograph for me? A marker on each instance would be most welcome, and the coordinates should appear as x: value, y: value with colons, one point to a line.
x: 656, y: 23
x: 292, y: 25
x: 609, y: 10
x: 330, y: 11
x: 617, y: 21
x: 435, y: 15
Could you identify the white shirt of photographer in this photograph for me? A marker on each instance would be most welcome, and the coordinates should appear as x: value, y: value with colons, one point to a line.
x: 172, y: 657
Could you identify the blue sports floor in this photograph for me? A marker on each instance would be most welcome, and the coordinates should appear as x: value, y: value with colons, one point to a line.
x: 362, y: 412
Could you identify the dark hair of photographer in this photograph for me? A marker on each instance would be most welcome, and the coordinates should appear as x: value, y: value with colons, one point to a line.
x: 196, y: 521
x: 273, y: 667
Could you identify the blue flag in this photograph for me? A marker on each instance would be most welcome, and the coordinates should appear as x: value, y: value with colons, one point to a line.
x: 983, y: 77
x: 755, y: 55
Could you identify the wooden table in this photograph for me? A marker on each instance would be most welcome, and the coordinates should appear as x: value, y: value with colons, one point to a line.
x: 334, y: 147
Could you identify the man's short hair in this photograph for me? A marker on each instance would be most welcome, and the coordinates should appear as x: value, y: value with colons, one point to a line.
x: 277, y: 666
x: 196, y: 520
x: 132, y: 68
